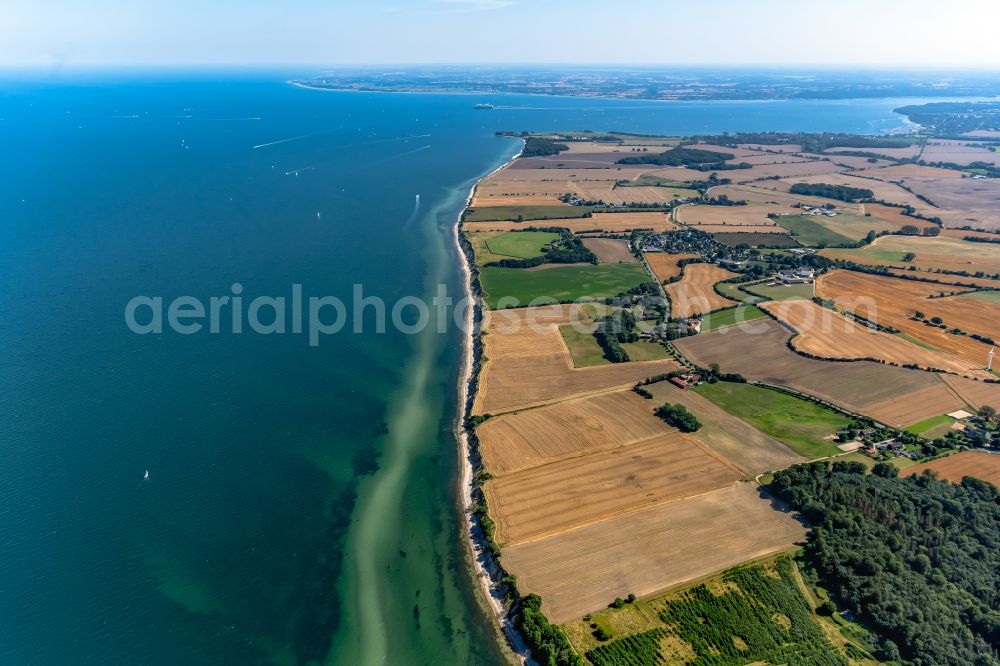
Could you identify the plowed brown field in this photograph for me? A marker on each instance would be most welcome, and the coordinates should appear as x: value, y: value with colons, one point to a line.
x: 757, y: 350
x: 610, y: 251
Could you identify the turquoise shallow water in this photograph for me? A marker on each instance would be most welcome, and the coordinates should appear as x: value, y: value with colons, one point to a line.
x: 300, y: 503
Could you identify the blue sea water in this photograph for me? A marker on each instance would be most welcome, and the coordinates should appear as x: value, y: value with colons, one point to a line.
x: 301, y: 502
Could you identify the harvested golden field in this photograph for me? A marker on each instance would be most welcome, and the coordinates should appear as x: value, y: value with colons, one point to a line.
x: 919, y: 405
x: 964, y: 233
x: 617, y: 222
x: 971, y: 201
x: 760, y: 195
x: 609, y: 222
x: 533, y: 437
x: 498, y: 190
x: 752, y: 215
x: 758, y: 351
x: 527, y: 363
x: 757, y: 158
x: 736, y: 152
x: 900, y: 172
x: 676, y: 174
x: 853, y: 162
x: 893, y: 302
x: 778, y: 148
x: 979, y: 464
x: 643, y: 552
x: 748, y: 229
x: 975, y: 393
x: 931, y: 253
x: 827, y: 334
x: 694, y: 293
x: 664, y: 265
x: 610, y: 250
x: 607, y: 192
x: 892, y: 153
x: 883, y: 190
x: 554, y: 498
x: 576, y: 162
x: 944, y: 279
x: 787, y: 170
x: 894, y: 216
x: 958, y: 153
x: 734, y: 439
x: 618, y: 172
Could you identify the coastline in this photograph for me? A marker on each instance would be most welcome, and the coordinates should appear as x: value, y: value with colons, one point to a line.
x: 475, y: 546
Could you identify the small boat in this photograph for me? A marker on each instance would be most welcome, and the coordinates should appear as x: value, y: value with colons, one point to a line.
x: 145, y: 477
x: 483, y: 106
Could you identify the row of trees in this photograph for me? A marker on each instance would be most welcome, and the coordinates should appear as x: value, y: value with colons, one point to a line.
x: 679, y: 157
x: 613, y: 331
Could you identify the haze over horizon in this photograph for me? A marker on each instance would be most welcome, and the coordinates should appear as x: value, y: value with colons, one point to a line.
x: 58, y: 34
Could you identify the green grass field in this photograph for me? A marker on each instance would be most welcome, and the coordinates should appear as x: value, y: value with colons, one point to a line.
x: 520, y: 244
x: 781, y: 292
x: 736, y: 315
x: 988, y: 296
x: 515, y: 287
x: 800, y: 424
x: 493, y: 213
x: 932, y: 428
x: 492, y: 246
x: 897, y: 461
x: 732, y: 290
x: 644, y: 350
x: 810, y: 233
x: 583, y: 347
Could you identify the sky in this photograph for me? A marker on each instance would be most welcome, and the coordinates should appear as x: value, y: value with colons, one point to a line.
x: 328, y: 33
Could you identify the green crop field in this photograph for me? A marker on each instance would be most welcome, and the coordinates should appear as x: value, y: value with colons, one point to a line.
x: 492, y: 246
x: 516, y: 287
x: 736, y: 315
x: 932, y: 428
x: 800, y: 424
x: 810, y: 233
x: 644, y: 350
x: 781, y: 292
x: 583, y: 346
x: 493, y: 213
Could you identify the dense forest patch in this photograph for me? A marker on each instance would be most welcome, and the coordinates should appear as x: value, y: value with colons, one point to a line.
x: 917, y: 560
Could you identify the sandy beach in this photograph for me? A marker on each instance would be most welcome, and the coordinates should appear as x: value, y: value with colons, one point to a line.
x: 477, y: 550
